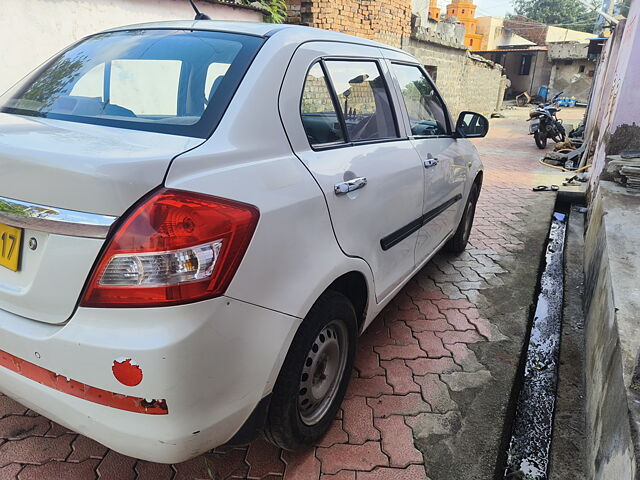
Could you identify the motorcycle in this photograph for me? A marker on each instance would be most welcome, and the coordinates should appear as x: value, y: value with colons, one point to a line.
x: 545, y: 124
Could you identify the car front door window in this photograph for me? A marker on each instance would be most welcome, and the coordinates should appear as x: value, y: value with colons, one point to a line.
x: 426, y: 113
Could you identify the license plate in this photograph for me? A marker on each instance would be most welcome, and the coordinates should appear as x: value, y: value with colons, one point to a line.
x: 10, y: 242
x: 534, y: 126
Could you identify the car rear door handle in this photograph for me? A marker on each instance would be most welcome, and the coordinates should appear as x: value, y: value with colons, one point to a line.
x: 349, y: 185
x: 430, y: 162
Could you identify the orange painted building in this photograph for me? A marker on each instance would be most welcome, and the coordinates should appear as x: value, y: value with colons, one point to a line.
x: 434, y: 10
x: 465, y: 12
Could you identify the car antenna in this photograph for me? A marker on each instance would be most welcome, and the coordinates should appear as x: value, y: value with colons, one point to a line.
x: 199, y: 16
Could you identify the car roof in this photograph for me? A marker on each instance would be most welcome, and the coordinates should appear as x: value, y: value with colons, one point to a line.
x: 299, y: 32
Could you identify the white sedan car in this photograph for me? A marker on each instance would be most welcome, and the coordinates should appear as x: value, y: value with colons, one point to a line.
x: 198, y: 219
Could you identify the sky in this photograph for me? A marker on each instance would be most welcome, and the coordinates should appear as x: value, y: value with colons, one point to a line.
x: 486, y: 8
x: 494, y: 8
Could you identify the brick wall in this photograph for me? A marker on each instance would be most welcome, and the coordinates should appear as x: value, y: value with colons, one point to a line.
x: 317, y: 99
x: 533, y: 31
x: 386, y: 21
x: 316, y: 96
x: 293, y: 11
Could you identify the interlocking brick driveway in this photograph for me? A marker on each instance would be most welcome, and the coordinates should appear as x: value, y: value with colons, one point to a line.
x: 415, y: 365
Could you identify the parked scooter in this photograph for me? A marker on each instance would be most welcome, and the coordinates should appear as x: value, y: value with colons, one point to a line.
x: 545, y: 124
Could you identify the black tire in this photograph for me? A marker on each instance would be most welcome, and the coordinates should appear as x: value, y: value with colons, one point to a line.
x: 541, y: 140
x: 561, y: 137
x: 458, y: 242
x: 286, y: 426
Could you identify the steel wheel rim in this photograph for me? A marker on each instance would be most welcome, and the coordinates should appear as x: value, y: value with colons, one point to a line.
x: 322, y: 372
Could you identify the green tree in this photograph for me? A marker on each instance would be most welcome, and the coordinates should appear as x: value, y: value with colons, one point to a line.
x: 276, y: 10
x: 563, y: 13
x: 55, y: 81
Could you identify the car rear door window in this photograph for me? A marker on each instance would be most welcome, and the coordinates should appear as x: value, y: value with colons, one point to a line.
x: 363, y: 98
x: 426, y: 111
x: 319, y: 117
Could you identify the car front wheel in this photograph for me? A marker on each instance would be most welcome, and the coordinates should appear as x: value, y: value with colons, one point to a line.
x: 315, y: 374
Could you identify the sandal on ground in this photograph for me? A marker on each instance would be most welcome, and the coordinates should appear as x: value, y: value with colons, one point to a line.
x: 544, y: 188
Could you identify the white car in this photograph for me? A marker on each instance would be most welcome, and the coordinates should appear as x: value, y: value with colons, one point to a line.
x: 198, y: 219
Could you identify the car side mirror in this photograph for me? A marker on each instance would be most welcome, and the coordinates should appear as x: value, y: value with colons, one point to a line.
x: 471, y: 125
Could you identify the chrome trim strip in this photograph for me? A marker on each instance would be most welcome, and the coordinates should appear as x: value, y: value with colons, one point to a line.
x: 54, y: 220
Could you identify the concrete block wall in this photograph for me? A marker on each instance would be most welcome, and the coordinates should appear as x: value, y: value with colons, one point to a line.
x: 444, y: 33
x: 466, y: 82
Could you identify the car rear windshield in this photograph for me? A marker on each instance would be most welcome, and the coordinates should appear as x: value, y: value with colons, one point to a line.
x: 171, y: 81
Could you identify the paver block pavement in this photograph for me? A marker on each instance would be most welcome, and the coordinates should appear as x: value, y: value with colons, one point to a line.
x: 417, y: 365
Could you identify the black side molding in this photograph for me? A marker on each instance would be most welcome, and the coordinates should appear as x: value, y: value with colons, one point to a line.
x: 396, y: 237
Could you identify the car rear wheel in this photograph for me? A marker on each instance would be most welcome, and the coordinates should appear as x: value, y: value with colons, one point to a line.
x: 315, y: 374
x: 458, y: 242
x: 541, y: 140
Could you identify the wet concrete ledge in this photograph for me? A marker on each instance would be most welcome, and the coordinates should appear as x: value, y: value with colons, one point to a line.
x: 612, y: 333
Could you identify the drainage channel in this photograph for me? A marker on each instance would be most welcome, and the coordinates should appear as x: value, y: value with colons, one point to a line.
x: 529, y: 446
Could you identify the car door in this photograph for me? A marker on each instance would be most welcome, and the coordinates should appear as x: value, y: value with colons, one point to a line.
x: 431, y: 135
x: 338, y: 112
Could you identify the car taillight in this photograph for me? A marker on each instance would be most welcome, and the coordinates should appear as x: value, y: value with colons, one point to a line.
x: 175, y: 247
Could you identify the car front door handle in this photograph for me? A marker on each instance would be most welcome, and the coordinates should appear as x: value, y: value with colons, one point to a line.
x: 349, y: 185
x: 430, y: 162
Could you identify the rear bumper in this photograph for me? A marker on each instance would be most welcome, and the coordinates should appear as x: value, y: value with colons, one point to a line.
x: 211, y: 362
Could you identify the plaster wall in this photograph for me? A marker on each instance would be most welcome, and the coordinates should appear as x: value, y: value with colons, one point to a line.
x: 612, y: 264
x: 31, y: 31
x: 557, y: 34
x: 488, y: 27
x: 612, y: 332
x: 495, y: 35
x: 507, y: 37
x: 613, y: 122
